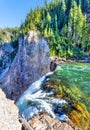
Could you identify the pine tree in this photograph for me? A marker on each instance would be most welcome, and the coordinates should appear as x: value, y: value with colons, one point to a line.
x: 78, y: 25
x: 64, y: 23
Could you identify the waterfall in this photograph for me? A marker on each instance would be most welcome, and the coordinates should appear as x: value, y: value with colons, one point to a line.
x: 35, y: 100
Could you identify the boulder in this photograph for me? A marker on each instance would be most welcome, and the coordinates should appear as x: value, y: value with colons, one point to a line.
x: 45, y: 122
x: 8, y: 114
x: 30, y: 63
x: 55, y: 62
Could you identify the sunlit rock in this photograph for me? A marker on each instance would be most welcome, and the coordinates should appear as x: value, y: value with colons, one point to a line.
x: 30, y: 63
x: 8, y: 114
x: 45, y: 122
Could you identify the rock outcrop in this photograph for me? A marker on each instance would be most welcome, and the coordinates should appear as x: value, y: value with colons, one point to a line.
x: 6, y: 51
x: 55, y: 62
x: 30, y: 63
x: 8, y: 114
x: 45, y: 122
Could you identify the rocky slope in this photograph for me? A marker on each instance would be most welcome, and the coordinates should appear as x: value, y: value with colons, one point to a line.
x: 8, y: 114
x: 30, y: 63
x: 9, y: 119
x: 45, y: 122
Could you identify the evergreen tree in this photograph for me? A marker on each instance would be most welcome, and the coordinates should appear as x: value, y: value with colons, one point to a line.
x: 63, y: 22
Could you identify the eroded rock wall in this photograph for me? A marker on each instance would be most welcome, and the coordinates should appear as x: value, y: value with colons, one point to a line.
x: 30, y: 63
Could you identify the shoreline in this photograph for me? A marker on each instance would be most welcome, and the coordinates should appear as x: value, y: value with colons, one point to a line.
x: 55, y: 61
x: 85, y: 59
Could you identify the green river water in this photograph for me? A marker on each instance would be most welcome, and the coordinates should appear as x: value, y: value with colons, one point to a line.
x: 71, y: 82
x: 75, y: 88
x: 77, y: 78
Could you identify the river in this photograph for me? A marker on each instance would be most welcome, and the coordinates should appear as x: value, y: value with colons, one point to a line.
x: 78, y: 76
x: 64, y: 94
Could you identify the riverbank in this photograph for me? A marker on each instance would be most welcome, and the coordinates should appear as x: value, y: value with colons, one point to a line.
x: 45, y: 122
x: 71, y: 82
x: 58, y: 93
x: 55, y: 61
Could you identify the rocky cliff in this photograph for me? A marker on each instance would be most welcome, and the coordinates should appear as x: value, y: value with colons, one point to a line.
x: 6, y: 52
x: 8, y: 114
x: 30, y: 63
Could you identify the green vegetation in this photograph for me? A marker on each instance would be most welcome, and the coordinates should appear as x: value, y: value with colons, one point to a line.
x: 9, y: 35
x: 64, y: 24
x: 71, y: 81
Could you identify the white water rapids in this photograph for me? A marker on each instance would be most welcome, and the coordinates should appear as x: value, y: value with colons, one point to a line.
x: 35, y: 100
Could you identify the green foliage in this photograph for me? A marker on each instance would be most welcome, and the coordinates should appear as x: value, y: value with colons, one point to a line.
x: 9, y: 35
x: 64, y: 24
x: 33, y: 21
x: 79, y: 27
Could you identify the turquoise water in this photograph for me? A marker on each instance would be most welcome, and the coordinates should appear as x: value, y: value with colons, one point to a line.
x: 63, y: 94
x: 77, y: 77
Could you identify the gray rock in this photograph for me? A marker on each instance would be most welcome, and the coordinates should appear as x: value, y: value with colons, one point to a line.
x: 30, y: 63
x: 6, y: 51
x: 8, y: 114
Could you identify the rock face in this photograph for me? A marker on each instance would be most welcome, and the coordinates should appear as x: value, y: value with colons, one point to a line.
x: 6, y: 51
x: 30, y: 63
x: 45, y: 122
x: 55, y: 62
x: 8, y: 114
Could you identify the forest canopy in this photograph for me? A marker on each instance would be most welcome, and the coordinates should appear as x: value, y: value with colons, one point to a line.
x: 63, y: 23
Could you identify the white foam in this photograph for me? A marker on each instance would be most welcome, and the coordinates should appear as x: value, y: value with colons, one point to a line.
x: 36, y: 100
